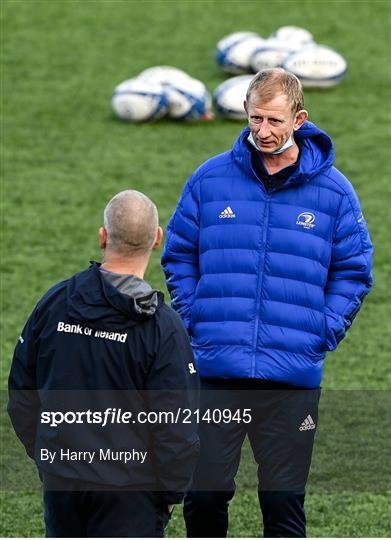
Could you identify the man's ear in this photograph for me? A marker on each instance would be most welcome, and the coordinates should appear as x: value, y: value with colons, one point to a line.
x: 245, y: 107
x: 102, y: 238
x: 300, y: 118
x: 159, y: 238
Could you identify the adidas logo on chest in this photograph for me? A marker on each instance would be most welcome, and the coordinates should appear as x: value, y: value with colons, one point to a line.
x: 227, y: 213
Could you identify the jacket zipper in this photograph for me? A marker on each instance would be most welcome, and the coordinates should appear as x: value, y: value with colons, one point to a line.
x: 260, y: 278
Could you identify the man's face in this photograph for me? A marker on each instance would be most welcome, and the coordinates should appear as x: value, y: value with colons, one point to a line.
x: 271, y: 123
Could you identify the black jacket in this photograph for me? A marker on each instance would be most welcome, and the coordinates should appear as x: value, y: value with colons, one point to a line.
x: 87, y: 346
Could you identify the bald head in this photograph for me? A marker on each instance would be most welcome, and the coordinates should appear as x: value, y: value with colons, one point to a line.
x: 131, y: 222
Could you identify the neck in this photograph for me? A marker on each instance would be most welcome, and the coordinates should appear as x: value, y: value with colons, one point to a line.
x: 135, y: 266
x: 277, y: 162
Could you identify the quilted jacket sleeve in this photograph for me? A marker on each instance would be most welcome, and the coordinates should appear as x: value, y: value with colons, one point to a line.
x: 350, y: 274
x: 180, y: 255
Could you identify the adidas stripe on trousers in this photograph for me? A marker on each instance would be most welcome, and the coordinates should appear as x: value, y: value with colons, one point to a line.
x: 281, y: 449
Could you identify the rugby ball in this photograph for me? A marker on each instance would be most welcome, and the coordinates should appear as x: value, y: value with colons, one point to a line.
x: 230, y: 96
x: 317, y: 66
x: 234, y: 51
x: 188, y: 99
x: 162, y: 75
x: 272, y: 53
x: 293, y: 35
x: 137, y: 101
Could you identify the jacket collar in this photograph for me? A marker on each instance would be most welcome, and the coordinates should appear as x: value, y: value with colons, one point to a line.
x: 316, y: 154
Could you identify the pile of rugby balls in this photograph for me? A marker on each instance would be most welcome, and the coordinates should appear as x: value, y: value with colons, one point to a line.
x: 162, y: 91
x: 168, y: 91
x: 290, y: 47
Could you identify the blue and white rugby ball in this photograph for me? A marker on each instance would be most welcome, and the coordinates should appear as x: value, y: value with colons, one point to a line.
x: 234, y: 51
x: 272, y: 53
x: 317, y: 66
x: 137, y: 101
x: 230, y: 96
x: 188, y: 99
x: 162, y: 75
x: 294, y: 35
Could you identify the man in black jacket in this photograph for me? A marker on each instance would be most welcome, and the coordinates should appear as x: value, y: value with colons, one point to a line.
x: 100, y: 377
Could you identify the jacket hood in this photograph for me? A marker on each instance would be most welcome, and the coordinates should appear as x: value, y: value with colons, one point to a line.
x: 92, y: 299
x: 316, y: 152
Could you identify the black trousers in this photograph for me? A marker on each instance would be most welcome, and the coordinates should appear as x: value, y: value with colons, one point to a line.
x: 100, y: 514
x: 281, y: 435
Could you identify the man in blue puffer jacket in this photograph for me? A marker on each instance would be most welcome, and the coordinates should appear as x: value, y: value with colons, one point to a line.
x: 267, y: 260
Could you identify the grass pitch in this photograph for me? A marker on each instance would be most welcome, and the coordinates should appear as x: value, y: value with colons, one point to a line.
x: 64, y: 156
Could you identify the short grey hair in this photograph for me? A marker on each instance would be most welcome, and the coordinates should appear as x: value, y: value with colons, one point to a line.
x: 131, y: 221
x: 268, y: 83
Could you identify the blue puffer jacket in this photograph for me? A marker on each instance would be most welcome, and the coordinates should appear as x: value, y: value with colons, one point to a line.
x: 267, y: 282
